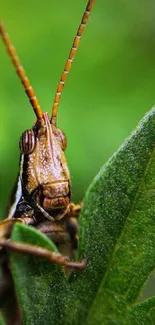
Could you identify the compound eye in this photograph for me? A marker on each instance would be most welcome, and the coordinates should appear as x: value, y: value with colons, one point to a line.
x: 27, y: 142
x: 62, y: 139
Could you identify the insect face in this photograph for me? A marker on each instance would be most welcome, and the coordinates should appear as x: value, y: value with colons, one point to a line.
x: 44, y: 169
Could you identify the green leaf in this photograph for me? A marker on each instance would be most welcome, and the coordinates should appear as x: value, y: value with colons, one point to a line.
x: 142, y: 313
x: 117, y: 233
x: 2, y: 320
x: 40, y: 286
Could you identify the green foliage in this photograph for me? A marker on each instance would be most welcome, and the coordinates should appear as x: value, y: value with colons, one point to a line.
x: 1, y: 320
x: 142, y: 313
x: 117, y: 235
x: 40, y: 286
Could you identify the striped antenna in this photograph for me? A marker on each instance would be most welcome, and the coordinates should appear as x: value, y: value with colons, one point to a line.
x: 70, y: 59
x: 21, y: 73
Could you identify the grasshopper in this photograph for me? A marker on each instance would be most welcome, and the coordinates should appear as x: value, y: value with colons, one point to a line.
x: 42, y: 196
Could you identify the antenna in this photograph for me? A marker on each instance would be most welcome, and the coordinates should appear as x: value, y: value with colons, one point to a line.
x: 21, y: 73
x: 70, y: 59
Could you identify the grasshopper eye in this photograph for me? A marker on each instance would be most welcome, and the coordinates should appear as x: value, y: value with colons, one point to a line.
x: 27, y: 142
x: 62, y: 138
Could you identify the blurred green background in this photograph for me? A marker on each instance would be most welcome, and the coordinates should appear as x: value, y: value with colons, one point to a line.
x: 109, y: 89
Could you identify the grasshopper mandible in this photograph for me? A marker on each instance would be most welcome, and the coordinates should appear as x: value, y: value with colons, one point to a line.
x: 43, y: 190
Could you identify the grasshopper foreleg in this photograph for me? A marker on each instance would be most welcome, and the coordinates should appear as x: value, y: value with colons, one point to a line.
x: 72, y: 210
x: 53, y: 257
x: 6, y: 225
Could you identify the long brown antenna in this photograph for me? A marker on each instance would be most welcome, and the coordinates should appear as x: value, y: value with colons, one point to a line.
x: 20, y: 71
x: 70, y: 59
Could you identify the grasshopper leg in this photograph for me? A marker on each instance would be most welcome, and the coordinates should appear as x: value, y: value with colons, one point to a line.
x: 7, y: 224
x: 72, y: 210
x: 53, y: 257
